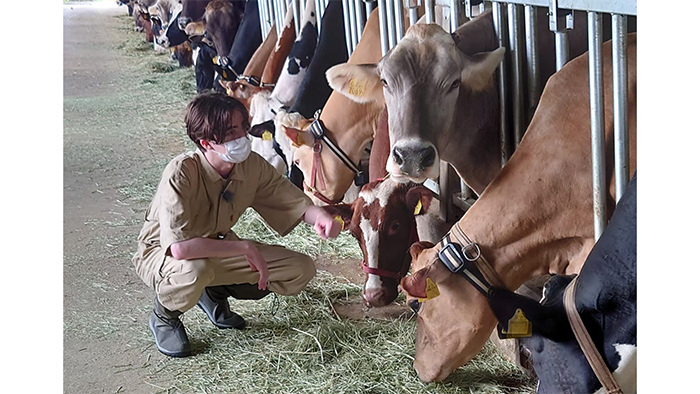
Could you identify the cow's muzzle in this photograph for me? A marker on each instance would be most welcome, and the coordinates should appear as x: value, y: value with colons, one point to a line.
x: 415, y: 160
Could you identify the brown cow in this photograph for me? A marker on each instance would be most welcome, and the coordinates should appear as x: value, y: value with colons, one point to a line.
x: 535, y: 218
x: 356, y: 122
x: 388, y: 216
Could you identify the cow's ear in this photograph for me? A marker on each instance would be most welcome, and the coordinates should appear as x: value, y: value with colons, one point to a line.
x: 263, y: 130
x: 343, y: 211
x: 477, y: 72
x: 418, y: 199
x: 358, y: 82
x: 424, y: 283
x: 297, y: 137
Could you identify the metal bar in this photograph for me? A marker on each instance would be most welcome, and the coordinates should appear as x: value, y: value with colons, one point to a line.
x: 381, y: 4
x: 398, y: 17
x: 624, y: 7
x: 320, y: 8
x: 516, y: 51
x: 533, y: 63
x: 560, y: 22
x: 390, y: 23
x: 595, y: 71
x: 619, y: 68
x: 353, y: 24
x: 412, y: 6
x: 348, y: 26
x: 429, y: 11
x: 297, y: 15
x: 263, y: 18
x: 499, y: 21
x: 468, y: 8
x: 369, y: 7
x: 454, y: 15
x: 561, y: 44
x: 360, y: 19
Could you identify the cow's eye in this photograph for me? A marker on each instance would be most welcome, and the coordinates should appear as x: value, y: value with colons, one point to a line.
x: 455, y: 84
x: 386, y: 85
x: 394, y: 226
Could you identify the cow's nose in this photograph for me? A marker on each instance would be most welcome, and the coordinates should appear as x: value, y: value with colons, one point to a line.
x: 183, y: 21
x: 373, y: 297
x: 398, y: 155
x: 426, y: 157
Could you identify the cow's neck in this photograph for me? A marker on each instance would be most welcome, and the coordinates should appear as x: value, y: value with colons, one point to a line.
x: 529, y: 223
x: 351, y: 132
x: 477, y: 157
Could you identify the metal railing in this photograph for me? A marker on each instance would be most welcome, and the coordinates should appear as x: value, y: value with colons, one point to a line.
x: 515, y: 23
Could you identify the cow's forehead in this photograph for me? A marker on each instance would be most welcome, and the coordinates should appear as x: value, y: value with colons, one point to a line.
x: 421, y: 55
x: 381, y: 192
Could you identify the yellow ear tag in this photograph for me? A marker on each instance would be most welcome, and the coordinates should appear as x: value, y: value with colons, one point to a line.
x: 223, y: 73
x: 518, y: 326
x: 229, y: 92
x: 341, y: 221
x: 356, y: 88
x: 419, y: 206
x: 267, y: 135
x: 431, y: 290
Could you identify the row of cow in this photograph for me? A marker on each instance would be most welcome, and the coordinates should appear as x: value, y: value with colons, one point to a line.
x: 315, y: 111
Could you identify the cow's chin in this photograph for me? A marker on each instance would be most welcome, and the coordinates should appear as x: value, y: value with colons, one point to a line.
x: 451, y: 332
x: 402, y: 177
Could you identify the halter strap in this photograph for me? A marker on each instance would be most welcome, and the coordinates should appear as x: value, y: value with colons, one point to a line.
x: 595, y: 360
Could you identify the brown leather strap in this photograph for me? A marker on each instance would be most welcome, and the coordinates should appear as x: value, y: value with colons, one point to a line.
x: 594, y: 358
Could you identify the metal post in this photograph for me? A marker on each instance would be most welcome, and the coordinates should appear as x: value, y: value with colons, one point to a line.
x: 412, y: 6
x: 468, y: 8
x: 360, y: 19
x: 595, y: 71
x: 514, y: 30
x: 533, y: 63
x: 390, y: 23
x: 369, y: 7
x: 320, y: 8
x: 348, y: 27
x: 499, y: 22
x: 619, y: 68
x: 429, y: 11
x: 381, y: 4
x: 398, y: 17
x: 454, y: 15
x: 297, y: 15
x: 560, y: 22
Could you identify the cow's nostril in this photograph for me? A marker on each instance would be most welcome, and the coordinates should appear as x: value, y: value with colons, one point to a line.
x: 427, y: 156
x: 398, y: 157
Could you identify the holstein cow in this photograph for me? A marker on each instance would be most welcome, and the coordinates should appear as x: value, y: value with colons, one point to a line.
x: 279, y: 86
x: 605, y: 300
x: 442, y: 98
x: 385, y: 219
x: 536, y: 217
x: 345, y: 123
x: 167, y: 34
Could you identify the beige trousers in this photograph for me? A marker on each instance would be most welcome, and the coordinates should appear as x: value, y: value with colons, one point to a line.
x: 180, y: 283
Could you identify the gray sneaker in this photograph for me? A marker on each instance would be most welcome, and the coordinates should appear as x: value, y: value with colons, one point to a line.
x: 214, y: 302
x: 169, y: 332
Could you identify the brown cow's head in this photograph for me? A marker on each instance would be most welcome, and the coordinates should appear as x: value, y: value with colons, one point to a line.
x: 382, y: 220
x: 420, y: 80
x: 453, y: 327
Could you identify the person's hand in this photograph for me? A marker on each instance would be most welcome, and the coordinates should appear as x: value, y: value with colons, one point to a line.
x: 257, y: 263
x: 324, y: 224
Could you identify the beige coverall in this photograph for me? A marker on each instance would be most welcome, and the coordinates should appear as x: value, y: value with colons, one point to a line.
x: 193, y: 200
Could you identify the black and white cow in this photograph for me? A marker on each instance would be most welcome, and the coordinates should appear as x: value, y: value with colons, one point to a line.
x: 606, y: 299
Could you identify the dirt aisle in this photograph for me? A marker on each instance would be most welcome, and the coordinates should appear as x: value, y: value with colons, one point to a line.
x: 107, y: 124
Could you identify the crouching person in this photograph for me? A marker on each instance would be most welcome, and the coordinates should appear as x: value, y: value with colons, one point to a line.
x: 187, y: 252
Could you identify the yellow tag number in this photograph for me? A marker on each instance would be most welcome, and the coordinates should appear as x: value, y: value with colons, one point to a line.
x: 356, y: 88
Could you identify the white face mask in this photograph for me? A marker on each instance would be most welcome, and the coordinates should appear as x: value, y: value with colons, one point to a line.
x: 236, y: 150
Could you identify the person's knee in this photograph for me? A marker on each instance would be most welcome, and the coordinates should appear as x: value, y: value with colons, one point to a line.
x: 307, y: 267
x: 180, y: 290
